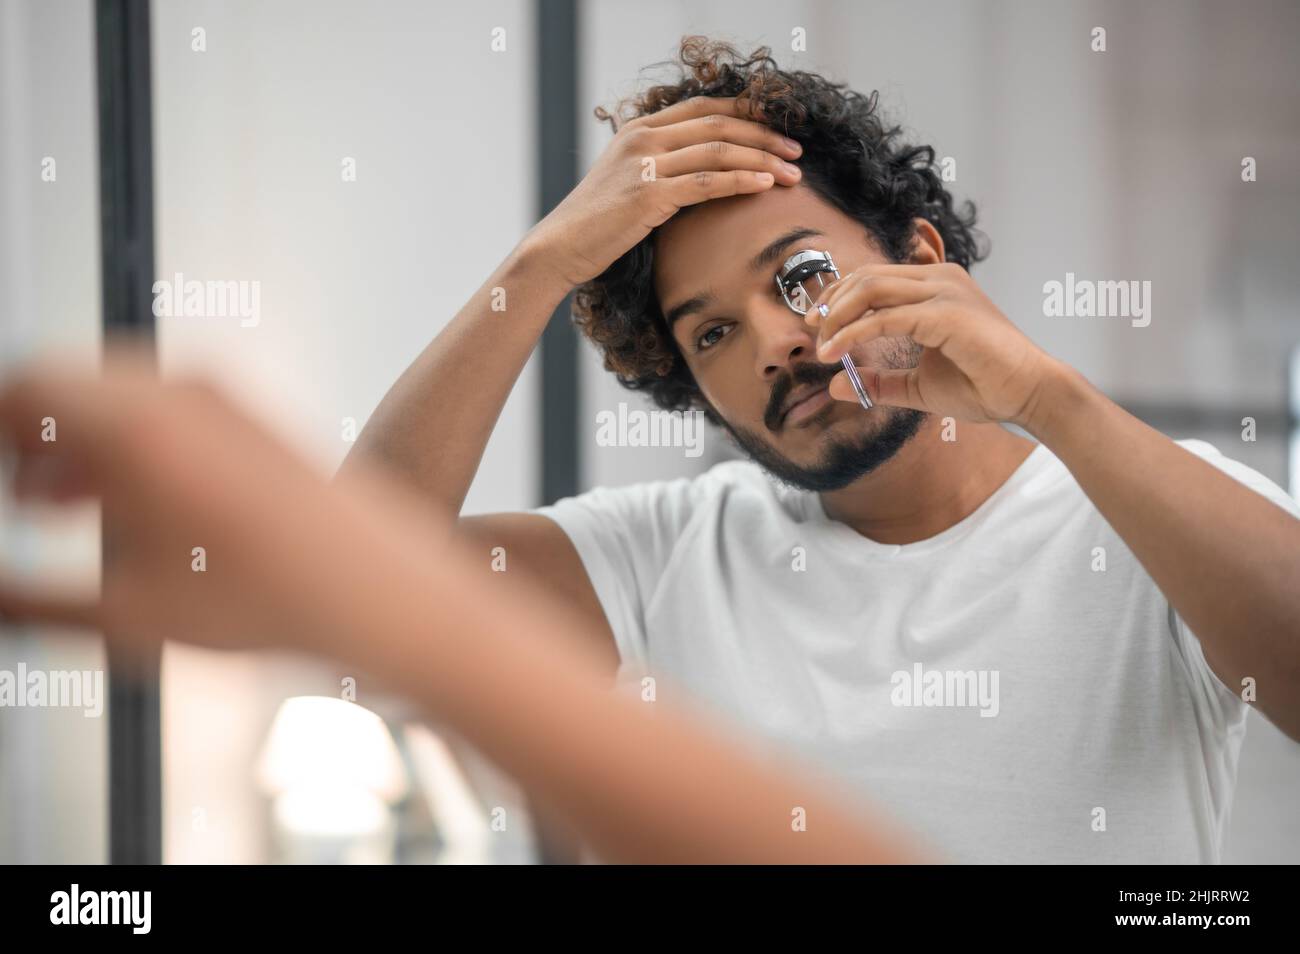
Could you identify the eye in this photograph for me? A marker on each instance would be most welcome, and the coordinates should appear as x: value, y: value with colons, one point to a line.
x: 700, y: 344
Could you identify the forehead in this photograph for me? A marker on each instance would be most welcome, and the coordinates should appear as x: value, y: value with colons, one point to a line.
x: 706, y: 245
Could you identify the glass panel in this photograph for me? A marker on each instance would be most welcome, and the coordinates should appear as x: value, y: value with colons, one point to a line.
x: 53, y: 721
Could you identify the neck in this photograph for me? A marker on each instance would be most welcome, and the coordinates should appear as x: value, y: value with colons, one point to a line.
x: 930, y: 484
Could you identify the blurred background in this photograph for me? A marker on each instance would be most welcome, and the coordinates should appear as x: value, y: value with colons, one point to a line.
x: 460, y: 125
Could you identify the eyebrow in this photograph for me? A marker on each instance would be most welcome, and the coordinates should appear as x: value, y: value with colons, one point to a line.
x: 775, y: 248
x: 770, y: 253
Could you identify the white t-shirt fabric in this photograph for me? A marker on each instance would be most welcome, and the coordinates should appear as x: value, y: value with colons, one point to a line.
x: 1015, y: 689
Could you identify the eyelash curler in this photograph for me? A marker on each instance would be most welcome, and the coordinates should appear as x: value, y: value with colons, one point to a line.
x: 797, y: 269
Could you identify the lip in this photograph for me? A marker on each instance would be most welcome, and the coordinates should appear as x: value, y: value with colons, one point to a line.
x: 808, y: 405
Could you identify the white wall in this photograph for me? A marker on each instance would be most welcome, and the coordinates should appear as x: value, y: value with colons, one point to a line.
x: 356, y: 278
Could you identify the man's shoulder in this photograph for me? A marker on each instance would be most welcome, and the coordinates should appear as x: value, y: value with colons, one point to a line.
x: 669, y: 505
x: 1051, y: 477
x: 640, y: 526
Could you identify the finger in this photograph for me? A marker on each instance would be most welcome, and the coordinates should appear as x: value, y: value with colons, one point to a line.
x: 867, y: 294
x: 53, y: 478
x: 92, y: 395
x: 702, y: 186
x: 832, y: 297
x: 925, y: 323
x: 722, y: 155
x: 698, y: 106
x: 73, y: 415
x: 833, y: 292
x: 742, y: 132
x: 924, y: 273
x: 893, y: 387
x: 55, y: 431
x: 50, y: 608
x: 825, y: 294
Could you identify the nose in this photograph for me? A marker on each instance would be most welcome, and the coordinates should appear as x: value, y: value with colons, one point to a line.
x: 783, y: 339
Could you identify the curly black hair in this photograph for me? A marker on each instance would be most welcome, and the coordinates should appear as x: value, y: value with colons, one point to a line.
x: 852, y: 158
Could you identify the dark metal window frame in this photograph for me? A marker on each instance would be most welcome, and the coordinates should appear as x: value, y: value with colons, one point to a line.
x: 556, y: 117
x: 125, y: 113
x: 557, y: 163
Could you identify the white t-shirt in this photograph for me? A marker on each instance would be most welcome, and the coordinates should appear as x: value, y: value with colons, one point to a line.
x: 1014, y: 689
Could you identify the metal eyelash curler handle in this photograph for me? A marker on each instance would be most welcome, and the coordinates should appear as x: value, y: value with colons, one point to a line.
x: 856, y: 382
x: 803, y: 264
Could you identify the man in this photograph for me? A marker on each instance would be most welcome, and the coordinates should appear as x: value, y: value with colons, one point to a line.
x: 1028, y: 650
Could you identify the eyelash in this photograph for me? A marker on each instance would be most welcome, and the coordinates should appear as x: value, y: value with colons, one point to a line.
x: 700, y: 347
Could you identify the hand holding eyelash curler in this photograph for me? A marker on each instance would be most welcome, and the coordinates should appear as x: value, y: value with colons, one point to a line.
x: 797, y: 269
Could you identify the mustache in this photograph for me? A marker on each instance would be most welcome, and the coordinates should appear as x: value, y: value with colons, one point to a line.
x: 901, y: 353
x: 800, y: 375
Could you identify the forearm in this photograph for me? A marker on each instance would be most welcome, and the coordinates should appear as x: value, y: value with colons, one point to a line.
x: 503, y: 664
x: 1227, y: 558
x: 432, y: 426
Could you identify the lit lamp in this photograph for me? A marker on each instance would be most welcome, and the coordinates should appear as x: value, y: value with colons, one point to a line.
x: 333, y: 773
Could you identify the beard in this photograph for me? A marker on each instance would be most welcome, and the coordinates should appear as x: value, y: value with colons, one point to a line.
x: 845, y: 459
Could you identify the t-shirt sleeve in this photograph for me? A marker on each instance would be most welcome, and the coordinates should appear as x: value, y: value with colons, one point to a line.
x: 1221, y: 702
x: 625, y: 537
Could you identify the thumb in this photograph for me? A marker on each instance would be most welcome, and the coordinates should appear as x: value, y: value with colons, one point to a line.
x: 20, y: 604
x: 894, y: 388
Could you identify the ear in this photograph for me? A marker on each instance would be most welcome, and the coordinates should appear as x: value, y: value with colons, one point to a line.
x: 927, y: 243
